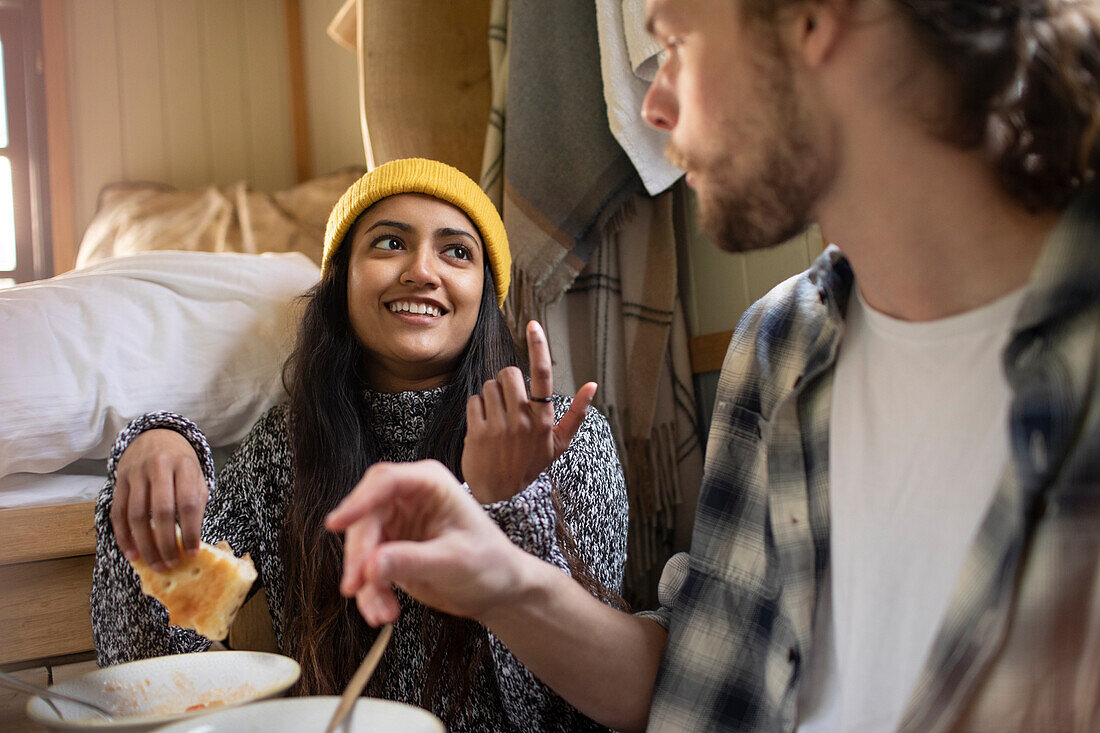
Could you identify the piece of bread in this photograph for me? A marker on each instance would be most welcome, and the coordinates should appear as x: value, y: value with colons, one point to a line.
x: 203, y: 592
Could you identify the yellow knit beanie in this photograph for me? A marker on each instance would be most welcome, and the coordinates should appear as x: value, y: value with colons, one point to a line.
x: 435, y: 179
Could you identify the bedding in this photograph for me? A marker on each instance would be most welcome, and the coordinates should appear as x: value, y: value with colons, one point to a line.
x: 147, y: 217
x: 40, y: 489
x: 84, y: 353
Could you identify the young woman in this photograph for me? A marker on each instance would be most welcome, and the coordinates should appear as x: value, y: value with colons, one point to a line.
x: 402, y: 344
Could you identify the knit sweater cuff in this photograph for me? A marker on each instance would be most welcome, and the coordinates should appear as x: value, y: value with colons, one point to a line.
x: 170, y: 421
x: 529, y: 520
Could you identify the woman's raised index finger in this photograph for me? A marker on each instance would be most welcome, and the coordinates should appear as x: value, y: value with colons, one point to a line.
x: 538, y: 351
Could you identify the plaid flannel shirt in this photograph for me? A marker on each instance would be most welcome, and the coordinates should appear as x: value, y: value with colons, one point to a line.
x: 1019, y: 646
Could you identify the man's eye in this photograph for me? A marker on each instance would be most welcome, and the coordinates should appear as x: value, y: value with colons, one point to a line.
x: 458, y: 251
x: 669, y: 48
x: 387, y: 243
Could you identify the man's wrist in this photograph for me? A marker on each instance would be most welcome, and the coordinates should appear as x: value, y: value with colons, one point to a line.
x: 529, y: 584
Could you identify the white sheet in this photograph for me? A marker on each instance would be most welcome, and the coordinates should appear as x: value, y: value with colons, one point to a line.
x: 201, y: 334
x: 40, y: 489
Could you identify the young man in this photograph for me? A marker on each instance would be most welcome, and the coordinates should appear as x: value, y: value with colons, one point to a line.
x: 899, y: 526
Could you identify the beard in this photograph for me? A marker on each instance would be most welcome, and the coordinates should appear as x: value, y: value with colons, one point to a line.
x: 767, y: 193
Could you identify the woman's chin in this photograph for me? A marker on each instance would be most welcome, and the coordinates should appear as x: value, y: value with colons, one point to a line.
x: 411, y: 369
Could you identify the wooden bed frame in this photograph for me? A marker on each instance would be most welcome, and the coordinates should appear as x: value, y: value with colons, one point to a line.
x: 46, y: 558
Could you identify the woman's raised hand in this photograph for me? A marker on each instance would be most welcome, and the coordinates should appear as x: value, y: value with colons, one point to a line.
x: 511, y: 438
x: 158, y: 480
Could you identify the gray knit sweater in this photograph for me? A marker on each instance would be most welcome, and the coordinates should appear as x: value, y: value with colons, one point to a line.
x: 247, y: 507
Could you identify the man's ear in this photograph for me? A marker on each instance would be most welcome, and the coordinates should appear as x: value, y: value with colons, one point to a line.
x: 814, y: 28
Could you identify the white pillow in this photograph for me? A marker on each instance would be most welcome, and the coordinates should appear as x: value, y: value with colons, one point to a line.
x: 201, y: 334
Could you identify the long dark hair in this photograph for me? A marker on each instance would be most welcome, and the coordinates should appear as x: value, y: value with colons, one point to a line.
x: 333, y: 445
x: 1025, y: 78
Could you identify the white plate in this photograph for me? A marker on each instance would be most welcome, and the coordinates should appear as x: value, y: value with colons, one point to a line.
x: 311, y: 715
x: 152, y: 692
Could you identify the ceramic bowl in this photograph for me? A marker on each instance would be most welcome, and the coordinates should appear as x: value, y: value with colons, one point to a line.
x: 149, y: 693
x: 311, y: 715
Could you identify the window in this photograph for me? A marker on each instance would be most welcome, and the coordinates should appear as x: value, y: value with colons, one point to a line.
x: 24, y: 226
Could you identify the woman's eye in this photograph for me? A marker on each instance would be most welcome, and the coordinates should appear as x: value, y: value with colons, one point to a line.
x: 458, y: 251
x: 388, y: 243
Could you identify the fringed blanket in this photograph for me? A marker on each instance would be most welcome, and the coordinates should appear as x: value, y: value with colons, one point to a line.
x: 622, y: 325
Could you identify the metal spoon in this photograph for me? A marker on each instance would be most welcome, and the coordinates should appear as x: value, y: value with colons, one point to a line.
x: 359, y: 679
x: 13, y: 682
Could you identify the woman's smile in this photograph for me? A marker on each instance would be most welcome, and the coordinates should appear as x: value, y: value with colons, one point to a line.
x: 417, y: 311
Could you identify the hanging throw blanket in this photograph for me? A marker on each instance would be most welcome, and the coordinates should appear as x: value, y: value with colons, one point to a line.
x: 622, y: 325
x: 565, y: 177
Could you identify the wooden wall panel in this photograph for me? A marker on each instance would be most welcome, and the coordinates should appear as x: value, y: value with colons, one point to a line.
x: 184, y: 92
x: 59, y: 136
x: 141, y: 108
x: 719, y: 286
x: 227, y: 97
x: 332, y: 89
x: 186, y: 126
x: 766, y: 268
x: 268, y: 127
x: 94, y: 102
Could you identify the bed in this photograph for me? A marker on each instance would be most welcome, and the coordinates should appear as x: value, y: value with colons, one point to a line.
x: 141, y: 324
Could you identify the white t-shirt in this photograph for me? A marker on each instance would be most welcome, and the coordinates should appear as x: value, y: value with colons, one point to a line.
x: 918, y: 441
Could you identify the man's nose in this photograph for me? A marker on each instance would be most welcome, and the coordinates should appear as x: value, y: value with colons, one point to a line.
x: 659, y: 105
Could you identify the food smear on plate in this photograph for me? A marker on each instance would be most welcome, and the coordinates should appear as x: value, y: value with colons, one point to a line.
x: 178, y: 696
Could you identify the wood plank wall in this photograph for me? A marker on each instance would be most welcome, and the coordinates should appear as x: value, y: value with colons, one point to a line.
x: 185, y: 92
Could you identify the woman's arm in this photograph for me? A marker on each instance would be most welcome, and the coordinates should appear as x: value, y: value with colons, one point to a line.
x: 126, y: 623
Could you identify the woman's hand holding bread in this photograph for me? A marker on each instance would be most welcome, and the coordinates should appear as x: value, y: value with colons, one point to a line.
x: 158, y: 482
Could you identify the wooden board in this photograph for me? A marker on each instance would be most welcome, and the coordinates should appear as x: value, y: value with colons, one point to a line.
x: 44, y: 609
x: 296, y: 83
x: 42, y: 532
x: 709, y: 351
x: 426, y: 80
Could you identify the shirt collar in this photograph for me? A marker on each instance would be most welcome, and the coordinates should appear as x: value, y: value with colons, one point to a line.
x: 1066, y: 276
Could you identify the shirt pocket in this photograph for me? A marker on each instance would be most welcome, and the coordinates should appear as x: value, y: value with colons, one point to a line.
x: 736, y: 437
